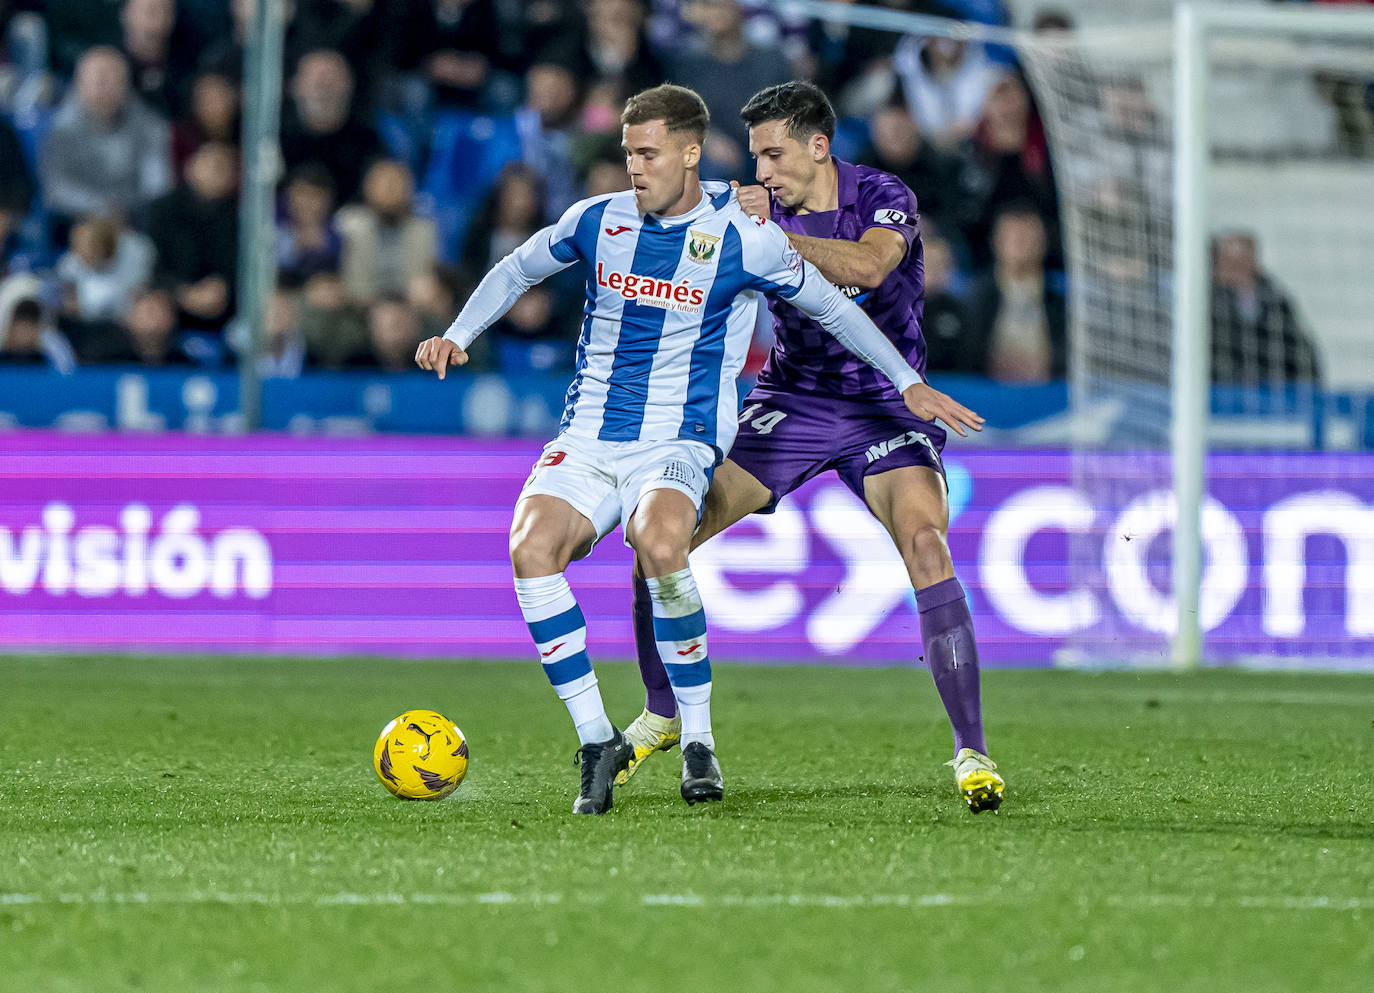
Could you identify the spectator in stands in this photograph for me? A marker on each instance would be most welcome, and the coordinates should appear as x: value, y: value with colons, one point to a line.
x: 393, y: 329
x: 359, y: 30
x: 1019, y: 318
x: 102, y: 270
x: 726, y: 69
x: 16, y: 193
x: 282, y: 354
x: 212, y: 115
x: 547, y: 125
x: 435, y: 297
x: 945, y: 83
x: 615, y: 50
x: 934, y: 175
x: 513, y: 210
x: 307, y: 240
x: 25, y: 82
x: 763, y: 25
x: 335, y: 328
x: 1256, y: 334
x: 151, y: 334
x: 158, y: 69
x: 318, y: 124
x: 951, y: 345
x: 384, y: 243
x: 1008, y: 161
x: 28, y: 335
x: 530, y: 28
x: 450, y: 45
x: 108, y: 154
x: 533, y: 336
x: 195, y: 230
x: 854, y: 64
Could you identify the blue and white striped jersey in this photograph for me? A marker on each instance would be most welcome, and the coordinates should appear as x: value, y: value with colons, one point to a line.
x: 670, y: 310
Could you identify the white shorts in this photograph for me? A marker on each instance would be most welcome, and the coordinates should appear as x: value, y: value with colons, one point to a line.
x: 604, y: 481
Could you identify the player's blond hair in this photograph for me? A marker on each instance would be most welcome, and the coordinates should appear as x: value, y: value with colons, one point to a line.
x: 680, y: 109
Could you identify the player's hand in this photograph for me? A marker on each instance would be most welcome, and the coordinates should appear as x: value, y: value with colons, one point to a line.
x: 438, y: 354
x: 754, y: 199
x: 928, y: 403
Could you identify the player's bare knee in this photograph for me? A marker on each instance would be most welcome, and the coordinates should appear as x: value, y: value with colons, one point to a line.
x: 533, y: 554
x: 926, y: 554
x: 660, y: 550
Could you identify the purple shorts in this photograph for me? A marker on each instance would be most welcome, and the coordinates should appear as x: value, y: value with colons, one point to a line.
x: 787, y: 438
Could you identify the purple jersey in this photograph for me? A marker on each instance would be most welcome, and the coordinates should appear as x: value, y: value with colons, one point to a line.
x: 805, y: 357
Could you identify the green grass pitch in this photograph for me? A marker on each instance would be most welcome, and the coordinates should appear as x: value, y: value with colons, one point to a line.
x: 211, y: 824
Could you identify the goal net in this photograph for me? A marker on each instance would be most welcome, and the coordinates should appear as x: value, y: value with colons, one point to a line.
x: 1217, y: 193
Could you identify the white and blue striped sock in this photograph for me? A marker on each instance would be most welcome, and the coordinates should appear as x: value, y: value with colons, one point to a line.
x: 560, y: 634
x: 680, y: 631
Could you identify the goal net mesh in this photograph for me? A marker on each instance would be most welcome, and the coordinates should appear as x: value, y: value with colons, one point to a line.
x: 1289, y: 191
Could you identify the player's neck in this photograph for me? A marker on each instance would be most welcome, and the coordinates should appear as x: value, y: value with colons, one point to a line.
x: 825, y: 191
x: 690, y: 199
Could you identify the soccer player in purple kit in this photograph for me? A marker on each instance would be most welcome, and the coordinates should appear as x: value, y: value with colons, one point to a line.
x: 816, y: 408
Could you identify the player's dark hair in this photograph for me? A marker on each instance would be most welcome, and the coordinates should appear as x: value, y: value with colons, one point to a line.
x: 803, y: 106
x: 679, y: 108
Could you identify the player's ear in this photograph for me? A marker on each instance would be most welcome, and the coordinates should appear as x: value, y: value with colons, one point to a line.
x: 820, y: 147
x: 691, y: 154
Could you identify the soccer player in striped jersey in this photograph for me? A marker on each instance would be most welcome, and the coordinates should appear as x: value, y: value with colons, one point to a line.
x: 816, y: 409
x: 674, y: 271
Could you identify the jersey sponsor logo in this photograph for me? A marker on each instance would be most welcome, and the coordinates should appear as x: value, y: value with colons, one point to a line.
x: 890, y: 216
x: 649, y: 292
x: 760, y: 220
x: 884, y: 448
x: 619, y: 229
x: 701, y: 247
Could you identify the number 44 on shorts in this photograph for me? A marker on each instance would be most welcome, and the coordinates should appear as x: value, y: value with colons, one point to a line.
x: 765, y: 422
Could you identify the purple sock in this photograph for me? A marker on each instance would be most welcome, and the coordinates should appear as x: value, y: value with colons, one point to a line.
x: 658, y: 692
x: 952, y: 655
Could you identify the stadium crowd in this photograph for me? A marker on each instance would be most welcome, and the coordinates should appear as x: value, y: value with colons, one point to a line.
x: 422, y: 140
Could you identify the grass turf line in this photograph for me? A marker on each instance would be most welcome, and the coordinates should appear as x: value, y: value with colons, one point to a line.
x: 180, y: 824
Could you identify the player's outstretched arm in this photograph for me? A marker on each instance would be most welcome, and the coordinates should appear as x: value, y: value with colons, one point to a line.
x: 438, y: 354
x: 546, y: 252
x: 928, y: 403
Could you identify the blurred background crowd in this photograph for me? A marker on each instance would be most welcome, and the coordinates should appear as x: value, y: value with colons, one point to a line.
x: 422, y: 140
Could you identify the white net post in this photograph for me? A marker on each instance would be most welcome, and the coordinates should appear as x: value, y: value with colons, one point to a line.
x: 1192, y: 332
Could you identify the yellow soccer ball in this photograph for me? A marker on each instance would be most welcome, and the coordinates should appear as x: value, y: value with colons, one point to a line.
x: 421, y: 755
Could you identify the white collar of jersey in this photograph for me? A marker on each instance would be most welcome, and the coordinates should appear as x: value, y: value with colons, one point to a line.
x: 711, y: 194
